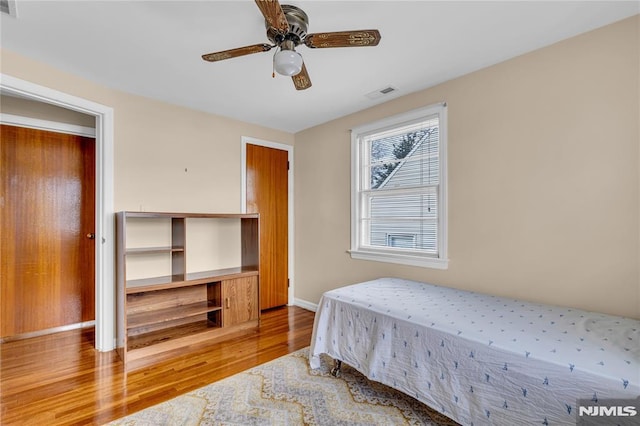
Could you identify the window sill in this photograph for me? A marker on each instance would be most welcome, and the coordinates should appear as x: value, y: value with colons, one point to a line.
x: 402, y: 259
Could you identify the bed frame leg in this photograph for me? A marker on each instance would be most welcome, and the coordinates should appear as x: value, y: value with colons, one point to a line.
x: 335, y: 371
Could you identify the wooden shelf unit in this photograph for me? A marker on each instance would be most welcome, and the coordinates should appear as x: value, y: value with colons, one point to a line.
x: 165, y: 315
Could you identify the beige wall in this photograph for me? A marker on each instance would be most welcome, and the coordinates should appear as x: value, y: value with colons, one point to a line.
x: 543, y: 180
x: 155, y: 142
x: 544, y: 175
x: 166, y: 158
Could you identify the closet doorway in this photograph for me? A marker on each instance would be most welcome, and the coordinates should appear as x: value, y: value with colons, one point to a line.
x: 267, y: 191
x: 48, y: 230
x: 104, y: 207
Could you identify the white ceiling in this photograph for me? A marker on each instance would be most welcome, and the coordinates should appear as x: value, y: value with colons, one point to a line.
x: 154, y: 48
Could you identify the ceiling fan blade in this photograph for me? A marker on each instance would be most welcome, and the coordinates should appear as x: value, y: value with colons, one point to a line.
x: 302, y: 80
x: 234, y: 53
x: 274, y: 15
x: 343, y: 39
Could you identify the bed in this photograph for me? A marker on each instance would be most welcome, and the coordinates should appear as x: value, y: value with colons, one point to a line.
x: 476, y: 358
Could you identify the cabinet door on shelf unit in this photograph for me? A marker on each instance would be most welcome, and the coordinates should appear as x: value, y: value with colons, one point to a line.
x: 240, y: 300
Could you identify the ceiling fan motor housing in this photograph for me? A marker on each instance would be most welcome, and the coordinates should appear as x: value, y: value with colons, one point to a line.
x: 298, y: 24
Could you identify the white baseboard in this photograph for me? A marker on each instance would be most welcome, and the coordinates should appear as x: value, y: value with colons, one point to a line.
x: 305, y: 305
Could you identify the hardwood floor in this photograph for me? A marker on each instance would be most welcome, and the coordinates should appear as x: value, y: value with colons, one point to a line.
x: 60, y: 379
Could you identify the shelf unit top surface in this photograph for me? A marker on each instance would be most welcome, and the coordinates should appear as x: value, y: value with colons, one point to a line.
x: 130, y: 214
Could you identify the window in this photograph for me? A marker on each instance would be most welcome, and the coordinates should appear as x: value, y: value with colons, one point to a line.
x: 399, y: 196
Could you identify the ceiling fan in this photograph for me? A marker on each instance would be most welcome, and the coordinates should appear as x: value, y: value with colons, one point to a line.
x: 287, y: 29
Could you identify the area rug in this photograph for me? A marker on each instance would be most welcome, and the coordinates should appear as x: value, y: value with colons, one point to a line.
x: 286, y: 391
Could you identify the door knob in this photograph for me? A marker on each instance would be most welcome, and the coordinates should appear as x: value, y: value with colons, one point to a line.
x: 91, y: 236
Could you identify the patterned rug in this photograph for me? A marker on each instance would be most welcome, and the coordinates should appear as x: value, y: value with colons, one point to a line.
x: 286, y: 392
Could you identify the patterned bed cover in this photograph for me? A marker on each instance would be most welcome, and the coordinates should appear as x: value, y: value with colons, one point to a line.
x: 476, y: 358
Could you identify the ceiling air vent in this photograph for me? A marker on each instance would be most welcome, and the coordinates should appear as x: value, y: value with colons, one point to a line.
x: 8, y: 7
x: 381, y: 92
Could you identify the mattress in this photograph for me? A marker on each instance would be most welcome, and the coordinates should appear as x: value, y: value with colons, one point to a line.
x: 479, y: 359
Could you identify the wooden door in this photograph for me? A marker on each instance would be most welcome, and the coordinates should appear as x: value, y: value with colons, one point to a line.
x: 240, y: 300
x: 47, y: 200
x: 267, y: 194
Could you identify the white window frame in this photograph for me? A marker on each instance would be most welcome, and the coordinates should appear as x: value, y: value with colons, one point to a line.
x: 390, y: 254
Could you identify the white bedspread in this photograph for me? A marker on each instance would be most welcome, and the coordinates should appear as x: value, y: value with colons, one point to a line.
x: 479, y: 359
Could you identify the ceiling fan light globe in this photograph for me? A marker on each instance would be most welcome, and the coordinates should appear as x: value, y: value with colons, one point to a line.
x: 288, y: 62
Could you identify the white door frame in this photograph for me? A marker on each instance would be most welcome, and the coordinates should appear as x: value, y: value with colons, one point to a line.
x: 105, y: 227
x: 243, y: 190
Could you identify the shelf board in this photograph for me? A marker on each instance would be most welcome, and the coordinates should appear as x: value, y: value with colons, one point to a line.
x: 222, y: 274
x: 155, y: 283
x: 167, y: 334
x: 142, y: 319
x: 153, y: 250
x: 147, y: 349
x: 193, y: 278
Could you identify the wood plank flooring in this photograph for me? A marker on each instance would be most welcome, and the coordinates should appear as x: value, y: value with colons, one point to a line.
x: 60, y: 379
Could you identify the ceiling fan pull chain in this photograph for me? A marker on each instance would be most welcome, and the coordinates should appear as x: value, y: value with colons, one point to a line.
x: 273, y: 63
